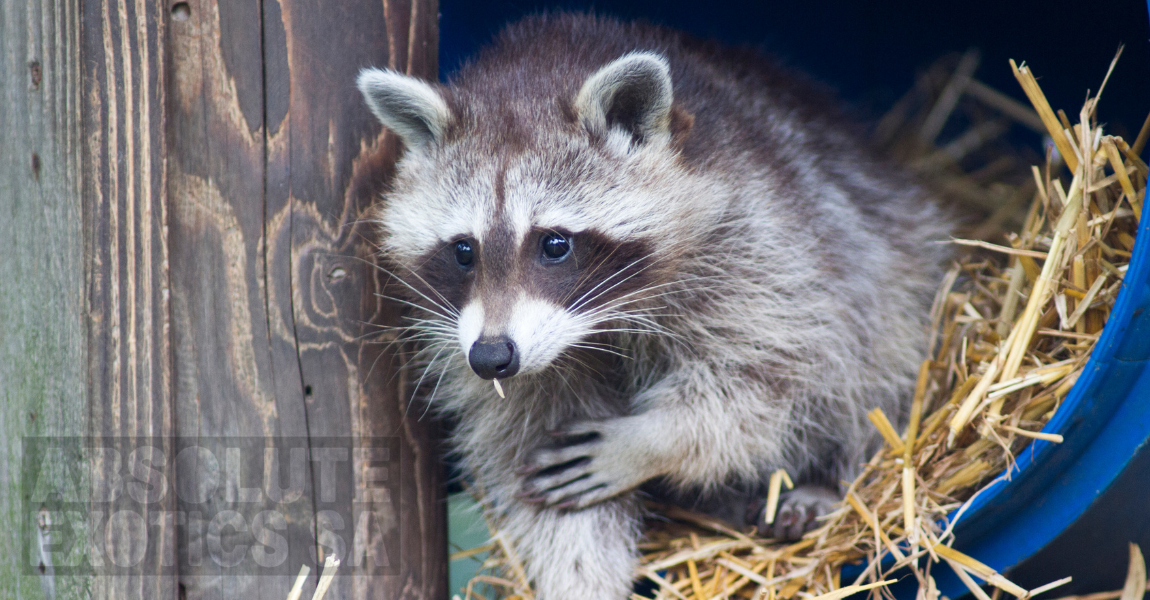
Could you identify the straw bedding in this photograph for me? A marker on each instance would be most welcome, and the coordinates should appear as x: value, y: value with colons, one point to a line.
x: 1013, y: 325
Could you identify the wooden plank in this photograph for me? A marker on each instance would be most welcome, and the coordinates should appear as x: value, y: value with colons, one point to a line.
x: 85, y: 330
x: 123, y: 142
x: 42, y: 304
x: 236, y: 370
x: 328, y: 162
x: 273, y: 164
x: 204, y: 273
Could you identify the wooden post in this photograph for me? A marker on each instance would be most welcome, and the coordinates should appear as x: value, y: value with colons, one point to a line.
x: 43, y: 296
x: 184, y: 205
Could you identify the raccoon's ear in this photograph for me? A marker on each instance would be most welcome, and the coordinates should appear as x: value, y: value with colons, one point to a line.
x: 633, y: 93
x: 405, y: 105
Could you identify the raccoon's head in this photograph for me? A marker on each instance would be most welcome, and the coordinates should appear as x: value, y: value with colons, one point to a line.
x: 525, y: 228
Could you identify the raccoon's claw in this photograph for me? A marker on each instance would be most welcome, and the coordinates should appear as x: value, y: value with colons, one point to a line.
x: 561, y: 476
x: 586, y: 465
x: 798, y: 512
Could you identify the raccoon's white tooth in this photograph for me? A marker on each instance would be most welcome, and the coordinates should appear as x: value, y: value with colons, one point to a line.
x: 498, y: 388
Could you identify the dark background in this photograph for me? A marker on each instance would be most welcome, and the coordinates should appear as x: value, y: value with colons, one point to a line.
x: 870, y: 52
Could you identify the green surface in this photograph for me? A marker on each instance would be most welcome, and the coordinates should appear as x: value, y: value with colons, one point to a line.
x: 465, y: 529
x: 43, y: 362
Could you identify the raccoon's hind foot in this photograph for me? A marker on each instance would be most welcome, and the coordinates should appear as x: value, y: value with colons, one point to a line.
x: 798, y: 512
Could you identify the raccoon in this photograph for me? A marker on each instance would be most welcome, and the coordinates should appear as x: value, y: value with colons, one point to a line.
x: 634, y: 260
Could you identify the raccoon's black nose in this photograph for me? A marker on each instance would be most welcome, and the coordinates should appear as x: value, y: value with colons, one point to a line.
x: 494, y: 357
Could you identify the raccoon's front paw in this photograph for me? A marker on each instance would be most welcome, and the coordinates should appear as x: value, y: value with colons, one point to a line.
x: 587, y: 463
x: 798, y: 512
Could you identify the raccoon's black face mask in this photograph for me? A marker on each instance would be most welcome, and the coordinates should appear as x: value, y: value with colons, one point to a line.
x: 528, y: 245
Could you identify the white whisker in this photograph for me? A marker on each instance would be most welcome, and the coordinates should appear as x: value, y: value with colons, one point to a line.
x: 445, y: 307
x: 414, y: 305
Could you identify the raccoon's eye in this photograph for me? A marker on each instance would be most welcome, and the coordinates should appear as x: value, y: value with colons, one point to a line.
x: 464, y: 255
x: 555, y: 246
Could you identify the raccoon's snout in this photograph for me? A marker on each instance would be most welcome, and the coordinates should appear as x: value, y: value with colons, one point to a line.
x: 494, y: 357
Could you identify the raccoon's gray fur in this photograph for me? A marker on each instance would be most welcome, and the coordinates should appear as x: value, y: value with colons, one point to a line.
x: 741, y: 282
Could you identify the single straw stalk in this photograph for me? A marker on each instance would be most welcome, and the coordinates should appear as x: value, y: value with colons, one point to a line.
x: 774, y: 488
x: 1042, y: 288
x: 1038, y: 99
x: 908, y: 450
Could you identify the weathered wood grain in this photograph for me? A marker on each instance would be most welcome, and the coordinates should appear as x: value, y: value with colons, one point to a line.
x: 274, y: 163
x: 183, y: 195
x: 42, y: 302
x: 125, y: 214
x: 84, y: 323
x: 328, y: 161
x: 228, y: 381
